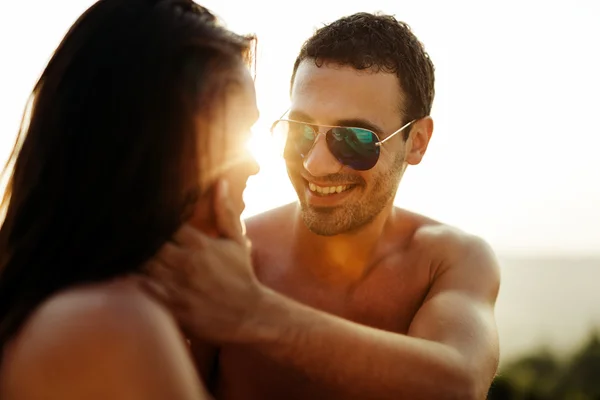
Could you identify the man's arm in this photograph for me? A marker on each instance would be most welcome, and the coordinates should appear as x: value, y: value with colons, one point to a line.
x: 450, y: 352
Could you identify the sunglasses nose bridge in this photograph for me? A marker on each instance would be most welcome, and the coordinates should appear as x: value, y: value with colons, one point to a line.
x: 319, y: 135
x: 318, y: 131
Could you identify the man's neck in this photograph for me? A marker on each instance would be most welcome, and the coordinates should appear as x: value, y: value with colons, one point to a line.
x: 347, y: 255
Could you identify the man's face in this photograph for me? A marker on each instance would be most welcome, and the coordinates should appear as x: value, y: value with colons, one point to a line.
x: 336, y: 199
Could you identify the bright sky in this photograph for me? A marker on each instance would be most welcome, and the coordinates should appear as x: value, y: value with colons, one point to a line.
x: 514, y: 152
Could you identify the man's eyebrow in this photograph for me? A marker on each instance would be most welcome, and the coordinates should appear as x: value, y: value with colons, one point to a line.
x: 351, y: 123
x: 360, y: 123
x: 300, y: 116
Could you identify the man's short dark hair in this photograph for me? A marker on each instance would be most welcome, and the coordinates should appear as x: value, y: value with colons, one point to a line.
x: 380, y: 42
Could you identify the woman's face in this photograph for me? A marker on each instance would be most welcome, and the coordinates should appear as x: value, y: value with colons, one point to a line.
x: 226, y: 155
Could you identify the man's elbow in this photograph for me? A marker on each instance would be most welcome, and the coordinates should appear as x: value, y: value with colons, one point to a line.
x: 460, y: 381
x: 456, y: 388
x: 470, y: 385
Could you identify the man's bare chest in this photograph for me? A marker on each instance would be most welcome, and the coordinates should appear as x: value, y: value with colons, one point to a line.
x: 386, y: 297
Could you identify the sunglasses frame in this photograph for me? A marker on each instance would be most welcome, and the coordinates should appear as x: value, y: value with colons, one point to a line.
x: 330, y: 127
x: 317, y: 131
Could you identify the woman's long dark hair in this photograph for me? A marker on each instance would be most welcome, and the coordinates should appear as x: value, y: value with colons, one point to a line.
x: 105, y: 167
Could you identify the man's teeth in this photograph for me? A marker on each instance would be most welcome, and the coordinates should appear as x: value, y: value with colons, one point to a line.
x: 328, y: 189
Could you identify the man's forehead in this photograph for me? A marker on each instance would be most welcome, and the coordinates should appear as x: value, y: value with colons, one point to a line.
x: 331, y: 91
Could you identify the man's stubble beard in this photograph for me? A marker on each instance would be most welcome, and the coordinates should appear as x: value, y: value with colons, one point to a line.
x: 348, y: 218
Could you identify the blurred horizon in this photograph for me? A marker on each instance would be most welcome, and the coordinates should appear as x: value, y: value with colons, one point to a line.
x: 547, y: 303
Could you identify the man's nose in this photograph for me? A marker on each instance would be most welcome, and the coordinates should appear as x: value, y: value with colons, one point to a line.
x: 319, y: 161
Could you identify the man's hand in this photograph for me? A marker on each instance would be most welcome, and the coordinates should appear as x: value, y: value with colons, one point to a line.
x: 208, y: 283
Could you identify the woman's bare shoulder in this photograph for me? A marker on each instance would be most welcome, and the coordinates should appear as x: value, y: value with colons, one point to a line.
x: 108, y: 340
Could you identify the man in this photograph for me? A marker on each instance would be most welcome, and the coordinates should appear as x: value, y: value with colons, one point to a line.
x: 351, y: 297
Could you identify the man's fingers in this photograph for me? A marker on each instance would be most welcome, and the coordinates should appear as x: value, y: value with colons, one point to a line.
x: 170, y: 266
x: 165, y: 284
x: 228, y: 223
x: 159, y: 272
x: 189, y: 236
x: 155, y: 289
x: 172, y: 255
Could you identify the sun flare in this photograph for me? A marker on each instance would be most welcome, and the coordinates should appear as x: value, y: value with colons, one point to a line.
x: 266, y: 148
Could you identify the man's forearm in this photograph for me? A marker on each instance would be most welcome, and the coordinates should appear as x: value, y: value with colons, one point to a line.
x: 355, y: 360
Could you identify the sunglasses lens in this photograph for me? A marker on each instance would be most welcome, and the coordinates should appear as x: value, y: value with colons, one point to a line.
x: 354, y: 147
x: 294, y: 138
x: 302, y: 136
x: 297, y: 136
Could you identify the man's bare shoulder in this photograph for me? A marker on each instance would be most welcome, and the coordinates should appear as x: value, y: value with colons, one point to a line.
x: 450, y: 247
x: 97, y: 339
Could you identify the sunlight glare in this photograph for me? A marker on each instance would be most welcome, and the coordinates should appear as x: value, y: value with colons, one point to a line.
x: 265, y: 148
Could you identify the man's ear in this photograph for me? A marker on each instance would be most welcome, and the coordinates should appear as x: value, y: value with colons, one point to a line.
x: 420, y: 134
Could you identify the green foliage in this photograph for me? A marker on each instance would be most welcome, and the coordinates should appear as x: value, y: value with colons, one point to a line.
x: 542, y: 376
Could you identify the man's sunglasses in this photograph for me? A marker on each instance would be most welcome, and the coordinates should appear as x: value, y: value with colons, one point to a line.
x: 357, y: 148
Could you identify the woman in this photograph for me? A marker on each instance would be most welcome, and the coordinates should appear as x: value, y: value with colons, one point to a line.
x: 143, y: 107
